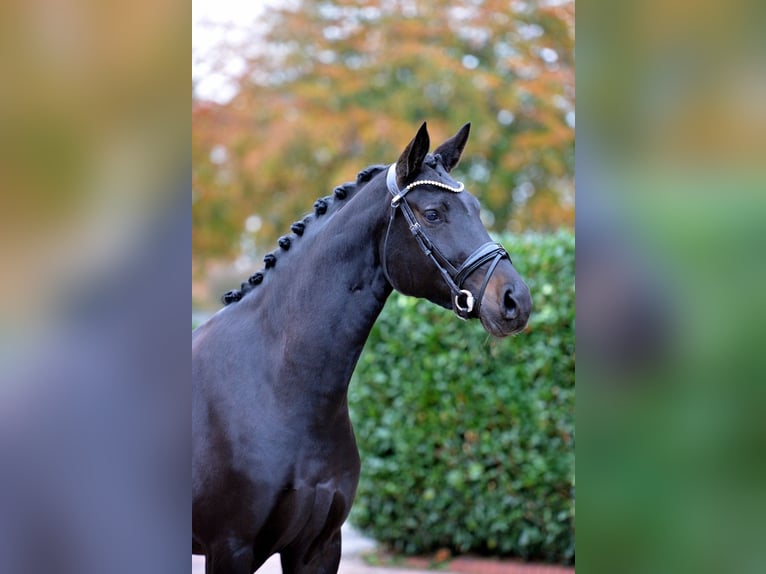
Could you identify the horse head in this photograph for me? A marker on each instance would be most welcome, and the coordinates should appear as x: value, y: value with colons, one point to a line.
x: 436, y: 247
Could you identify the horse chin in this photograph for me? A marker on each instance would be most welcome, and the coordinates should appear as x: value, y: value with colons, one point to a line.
x: 501, y: 328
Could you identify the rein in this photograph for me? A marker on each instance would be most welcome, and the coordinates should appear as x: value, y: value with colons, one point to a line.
x: 465, y: 305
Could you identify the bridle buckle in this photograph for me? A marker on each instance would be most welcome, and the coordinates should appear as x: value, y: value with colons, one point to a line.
x: 464, y: 301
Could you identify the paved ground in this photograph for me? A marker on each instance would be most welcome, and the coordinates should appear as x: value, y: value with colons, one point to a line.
x: 351, y: 562
x: 355, y: 546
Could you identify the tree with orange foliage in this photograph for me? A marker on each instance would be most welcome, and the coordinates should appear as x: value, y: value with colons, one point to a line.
x: 333, y: 86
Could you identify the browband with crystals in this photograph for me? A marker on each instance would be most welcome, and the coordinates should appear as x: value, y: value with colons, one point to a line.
x: 400, y: 193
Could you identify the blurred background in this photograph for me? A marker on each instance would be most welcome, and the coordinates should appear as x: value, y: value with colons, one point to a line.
x: 671, y: 209
x: 95, y: 225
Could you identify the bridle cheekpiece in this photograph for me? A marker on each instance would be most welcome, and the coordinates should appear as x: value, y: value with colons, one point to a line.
x: 464, y: 304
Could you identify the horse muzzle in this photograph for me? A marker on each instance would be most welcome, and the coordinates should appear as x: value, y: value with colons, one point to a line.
x: 507, y: 306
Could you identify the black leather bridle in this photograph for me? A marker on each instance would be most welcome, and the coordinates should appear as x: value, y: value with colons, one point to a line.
x: 464, y: 305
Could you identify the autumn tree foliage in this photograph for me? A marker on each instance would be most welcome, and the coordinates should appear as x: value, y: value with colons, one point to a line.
x: 329, y: 87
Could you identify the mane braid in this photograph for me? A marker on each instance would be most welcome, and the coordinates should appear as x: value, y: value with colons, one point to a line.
x: 322, y: 206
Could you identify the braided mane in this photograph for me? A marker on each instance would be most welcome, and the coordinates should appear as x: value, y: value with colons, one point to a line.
x: 322, y: 206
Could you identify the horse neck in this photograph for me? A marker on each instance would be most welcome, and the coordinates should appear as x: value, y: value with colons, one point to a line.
x: 321, y: 305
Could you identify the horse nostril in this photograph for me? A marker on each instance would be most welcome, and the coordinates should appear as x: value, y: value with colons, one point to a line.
x: 511, y: 307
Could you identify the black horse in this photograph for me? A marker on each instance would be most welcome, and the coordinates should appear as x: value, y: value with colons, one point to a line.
x: 275, y: 464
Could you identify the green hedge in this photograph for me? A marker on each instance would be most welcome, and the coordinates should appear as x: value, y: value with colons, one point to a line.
x: 467, y: 441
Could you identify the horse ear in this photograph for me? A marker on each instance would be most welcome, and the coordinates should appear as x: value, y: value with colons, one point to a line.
x: 452, y: 149
x: 409, y: 163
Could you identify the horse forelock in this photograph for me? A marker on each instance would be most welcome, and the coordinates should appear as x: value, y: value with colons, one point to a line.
x: 322, y: 207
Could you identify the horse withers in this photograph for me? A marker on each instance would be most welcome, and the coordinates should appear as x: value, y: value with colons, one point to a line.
x: 275, y: 464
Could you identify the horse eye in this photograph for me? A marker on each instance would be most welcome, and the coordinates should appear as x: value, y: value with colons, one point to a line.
x: 431, y: 215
